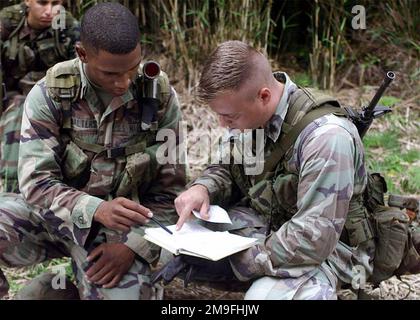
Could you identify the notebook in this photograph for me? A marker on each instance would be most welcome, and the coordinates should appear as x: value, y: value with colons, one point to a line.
x: 196, y: 240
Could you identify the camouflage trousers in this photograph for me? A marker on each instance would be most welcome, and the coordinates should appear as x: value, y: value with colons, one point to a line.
x: 320, y: 284
x: 25, y: 241
x: 10, y: 123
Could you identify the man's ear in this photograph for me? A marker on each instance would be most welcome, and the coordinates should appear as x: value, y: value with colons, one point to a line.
x: 81, y: 52
x: 265, y: 95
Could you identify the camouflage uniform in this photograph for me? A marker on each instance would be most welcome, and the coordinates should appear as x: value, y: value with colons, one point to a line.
x: 319, y: 181
x: 62, y: 184
x: 26, y: 54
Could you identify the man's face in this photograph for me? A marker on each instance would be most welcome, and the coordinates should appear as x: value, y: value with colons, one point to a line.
x: 114, y: 73
x: 241, y: 109
x: 42, y: 12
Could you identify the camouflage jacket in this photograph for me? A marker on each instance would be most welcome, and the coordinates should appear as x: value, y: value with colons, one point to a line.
x: 45, y: 165
x: 328, y: 161
x: 25, y: 49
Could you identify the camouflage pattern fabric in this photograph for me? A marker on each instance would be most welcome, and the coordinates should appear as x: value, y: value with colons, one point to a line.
x: 36, y: 51
x: 27, y: 240
x: 41, y: 288
x: 52, y: 201
x: 328, y: 164
x: 10, y: 123
x: 318, y: 284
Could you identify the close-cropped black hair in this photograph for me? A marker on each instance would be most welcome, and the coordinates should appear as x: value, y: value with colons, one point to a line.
x: 110, y: 27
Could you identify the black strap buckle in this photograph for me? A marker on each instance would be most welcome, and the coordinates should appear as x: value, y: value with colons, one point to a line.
x: 115, y: 152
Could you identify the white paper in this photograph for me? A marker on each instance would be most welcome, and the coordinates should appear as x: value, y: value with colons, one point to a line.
x: 217, y: 215
x: 196, y: 240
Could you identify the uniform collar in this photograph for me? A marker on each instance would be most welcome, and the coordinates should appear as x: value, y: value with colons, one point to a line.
x: 273, y: 127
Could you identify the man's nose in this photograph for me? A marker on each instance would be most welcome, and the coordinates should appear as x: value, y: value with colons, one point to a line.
x: 49, y: 10
x: 123, y: 82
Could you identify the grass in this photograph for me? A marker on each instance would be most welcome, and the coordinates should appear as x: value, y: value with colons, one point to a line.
x: 387, y: 152
x: 303, y: 79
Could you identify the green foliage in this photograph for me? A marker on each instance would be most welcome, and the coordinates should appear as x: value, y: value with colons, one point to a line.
x: 388, y: 101
x: 387, y: 140
x: 303, y: 79
x: 384, y: 153
x: 411, y: 182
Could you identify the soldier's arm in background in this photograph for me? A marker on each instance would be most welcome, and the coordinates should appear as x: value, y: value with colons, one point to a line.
x: 68, y: 211
x: 325, y: 159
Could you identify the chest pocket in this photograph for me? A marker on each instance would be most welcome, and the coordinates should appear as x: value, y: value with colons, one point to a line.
x: 129, y: 129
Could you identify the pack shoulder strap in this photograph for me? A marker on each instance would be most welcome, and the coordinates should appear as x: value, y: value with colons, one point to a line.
x: 16, y: 17
x: 13, y: 16
x: 63, y: 80
x: 305, y: 105
x: 302, y: 101
x: 63, y: 85
x: 287, y: 141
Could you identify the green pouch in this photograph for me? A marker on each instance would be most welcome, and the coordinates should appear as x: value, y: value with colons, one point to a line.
x: 411, y: 260
x: 75, y: 161
x: 285, y: 190
x: 136, y: 169
x: 375, y: 190
x: 392, y: 234
x: 358, y: 226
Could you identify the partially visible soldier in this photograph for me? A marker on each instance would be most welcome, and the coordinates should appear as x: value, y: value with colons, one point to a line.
x: 31, y: 43
x: 88, y: 158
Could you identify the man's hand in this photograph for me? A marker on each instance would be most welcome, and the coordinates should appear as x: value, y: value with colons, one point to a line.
x: 110, y: 262
x: 195, y: 198
x: 121, y: 214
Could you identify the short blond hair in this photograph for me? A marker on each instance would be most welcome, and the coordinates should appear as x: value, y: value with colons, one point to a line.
x: 227, y: 69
